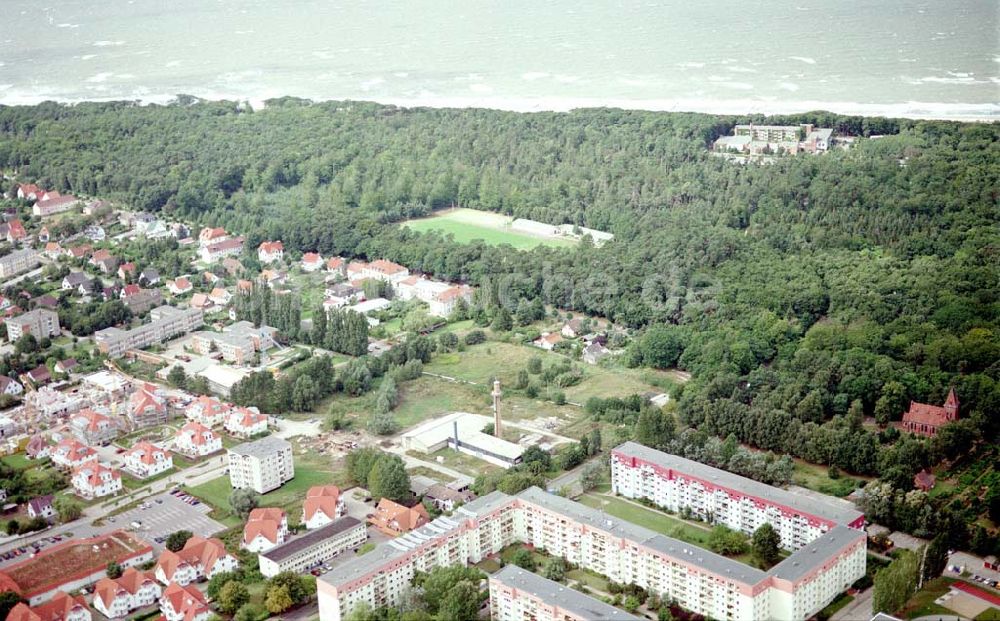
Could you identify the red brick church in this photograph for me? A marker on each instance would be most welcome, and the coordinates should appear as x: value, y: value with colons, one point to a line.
x: 926, y: 420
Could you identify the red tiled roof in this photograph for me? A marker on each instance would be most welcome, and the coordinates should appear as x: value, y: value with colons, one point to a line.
x: 145, y: 451
x: 271, y: 247
x: 197, y: 432
x: 334, y: 263
x: 394, y: 517
x: 187, y: 601
x: 58, y: 608
x: 387, y: 267
x: 321, y: 498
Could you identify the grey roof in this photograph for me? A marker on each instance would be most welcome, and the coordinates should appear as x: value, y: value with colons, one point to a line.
x: 33, y: 315
x: 553, y: 593
x: 312, y: 538
x: 816, y: 552
x: 693, y: 555
x: 399, y: 546
x: 829, y: 510
x: 74, y: 279
x: 261, y: 448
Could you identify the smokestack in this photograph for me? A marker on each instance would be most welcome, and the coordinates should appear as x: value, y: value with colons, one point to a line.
x: 497, y: 429
x: 454, y: 427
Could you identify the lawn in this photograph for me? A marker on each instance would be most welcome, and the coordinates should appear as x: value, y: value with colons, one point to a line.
x: 457, y: 461
x: 424, y: 471
x: 922, y: 603
x: 466, y: 225
x: 817, y: 478
x: 648, y: 518
x: 17, y: 461
x: 310, y: 469
x: 588, y: 578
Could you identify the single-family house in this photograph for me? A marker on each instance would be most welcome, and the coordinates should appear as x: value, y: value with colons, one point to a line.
x: 134, y: 589
x: 184, y: 603
x: 70, y: 453
x: 10, y: 386
x: 179, y: 286
x: 246, y: 422
x: 323, y: 504
x: 147, y: 406
x: 270, y: 251
x: 208, y: 411
x: 93, y: 480
x: 197, y: 440
x: 548, y: 340
x: 312, y: 262
x: 200, y: 558
x: 41, y: 507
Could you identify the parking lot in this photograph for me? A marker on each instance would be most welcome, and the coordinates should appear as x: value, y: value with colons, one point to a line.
x: 166, y: 513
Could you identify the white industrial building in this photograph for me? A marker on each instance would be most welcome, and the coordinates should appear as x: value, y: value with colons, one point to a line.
x: 463, y: 432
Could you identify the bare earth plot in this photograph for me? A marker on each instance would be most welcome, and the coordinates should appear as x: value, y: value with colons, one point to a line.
x: 466, y: 225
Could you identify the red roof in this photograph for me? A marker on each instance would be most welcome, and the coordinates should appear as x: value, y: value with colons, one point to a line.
x: 100, y: 255
x: 395, y: 518
x: 130, y: 290
x: 311, y: 257
x: 334, y: 263
x: 924, y: 480
x: 185, y: 600
x: 265, y: 522
x: 387, y: 267
x: 272, y: 247
x: 56, y: 609
x: 15, y: 230
x: 145, y: 451
x: 199, y: 433
x: 93, y: 419
x: 321, y: 498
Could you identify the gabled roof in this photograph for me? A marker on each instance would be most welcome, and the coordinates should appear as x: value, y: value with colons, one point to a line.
x: 92, y: 472
x: 58, y: 608
x: 40, y: 504
x: 271, y: 247
x: 201, y: 551
x: 145, y: 452
x: 128, y: 584
x: 387, y: 267
x: 185, y: 600
x: 311, y: 258
x: 91, y: 420
x: 394, y: 516
x: 321, y: 499
x: 265, y: 522
x: 200, y: 434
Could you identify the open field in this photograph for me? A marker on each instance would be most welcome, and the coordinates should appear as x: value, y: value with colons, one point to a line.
x: 17, y: 461
x: 466, y: 225
x: 310, y: 469
x: 481, y: 362
x: 817, y: 478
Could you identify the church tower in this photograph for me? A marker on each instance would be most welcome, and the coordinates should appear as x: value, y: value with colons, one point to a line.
x: 951, y: 405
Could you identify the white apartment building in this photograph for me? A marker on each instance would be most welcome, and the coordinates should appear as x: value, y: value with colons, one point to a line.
x: 165, y: 323
x: 40, y: 322
x: 721, y: 497
x: 323, y: 504
x: 70, y: 453
x: 314, y: 547
x: 135, y: 589
x: 197, y: 440
x: 184, y: 603
x: 17, y: 262
x: 517, y: 594
x: 699, y: 580
x: 208, y: 411
x: 92, y: 480
x: 246, y: 422
x: 261, y: 465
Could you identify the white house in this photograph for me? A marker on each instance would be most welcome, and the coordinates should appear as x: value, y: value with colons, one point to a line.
x: 270, y: 251
x: 146, y: 460
x: 10, y: 386
x: 184, y: 603
x: 246, y: 422
x: 443, y: 304
x: 323, y: 505
x: 179, y: 286
x: 265, y: 529
x: 200, y: 558
x: 135, y: 589
x: 197, y: 440
x: 208, y: 411
x: 92, y: 480
x: 312, y: 262
x: 41, y: 507
x: 71, y: 453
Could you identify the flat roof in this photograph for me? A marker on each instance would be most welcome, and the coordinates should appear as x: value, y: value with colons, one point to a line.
x: 311, y: 538
x: 816, y: 552
x: 261, y: 448
x: 829, y: 510
x: 555, y: 594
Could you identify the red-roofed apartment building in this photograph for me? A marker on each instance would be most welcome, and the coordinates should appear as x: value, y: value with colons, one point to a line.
x: 265, y: 529
x: 184, y: 603
x: 270, y: 251
x: 323, y: 505
x: 71, y: 453
x: 93, y: 427
x: 394, y: 519
x: 134, y: 589
x: 92, y: 480
x: 147, y: 406
x: 200, y: 558
x: 197, y: 440
x: 208, y: 411
x: 145, y: 460
x: 925, y: 420
x: 61, y: 607
x: 246, y: 422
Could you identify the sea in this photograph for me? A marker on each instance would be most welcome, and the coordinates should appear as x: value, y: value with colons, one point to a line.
x: 911, y: 58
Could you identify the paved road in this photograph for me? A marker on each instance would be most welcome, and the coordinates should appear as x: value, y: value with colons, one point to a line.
x: 412, y: 462
x: 83, y: 527
x: 858, y: 610
x: 973, y: 564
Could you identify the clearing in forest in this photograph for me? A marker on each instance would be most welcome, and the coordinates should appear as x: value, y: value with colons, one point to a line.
x: 495, y: 229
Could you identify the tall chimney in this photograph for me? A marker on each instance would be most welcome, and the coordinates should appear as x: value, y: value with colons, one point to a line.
x: 454, y: 427
x: 497, y: 428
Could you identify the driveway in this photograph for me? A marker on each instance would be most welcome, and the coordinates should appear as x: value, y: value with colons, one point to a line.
x: 860, y: 609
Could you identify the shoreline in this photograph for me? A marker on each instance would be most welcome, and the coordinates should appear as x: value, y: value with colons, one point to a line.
x: 983, y: 113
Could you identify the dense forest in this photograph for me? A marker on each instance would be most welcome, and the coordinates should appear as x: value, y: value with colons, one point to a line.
x: 804, y: 296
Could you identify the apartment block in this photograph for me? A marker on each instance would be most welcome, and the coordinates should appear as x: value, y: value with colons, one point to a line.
x: 721, y: 497
x: 40, y: 322
x: 261, y: 465
x: 517, y: 594
x: 699, y: 580
x: 17, y: 262
x: 314, y: 547
x: 165, y: 323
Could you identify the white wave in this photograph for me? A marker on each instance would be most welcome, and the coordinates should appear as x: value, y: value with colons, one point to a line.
x: 804, y: 59
x: 401, y: 74
x: 469, y: 77
x: 244, y: 32
x: 4, y: 87
x: 739, y: 69
x: 108, y: 43
x: 691, y: 65
x: 367, y: 85
x: 954, y: 79
x: 67, y: 25
x: 125, y: 76
x: 634, y: 82
x: 567, y: 79
x: 100, y: 77
x: 173, y: 63
x: 717, y: 78
x: 531, y: 76
x: 88, y: 56
x: 480, y: 88
x: 740, y: 86
x: 788, y: 86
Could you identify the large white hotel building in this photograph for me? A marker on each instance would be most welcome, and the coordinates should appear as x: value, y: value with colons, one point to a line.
x: 699, y: 580
x: 722, y: 497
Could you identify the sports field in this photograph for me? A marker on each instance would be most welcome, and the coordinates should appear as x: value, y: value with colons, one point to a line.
x: 466, y: 225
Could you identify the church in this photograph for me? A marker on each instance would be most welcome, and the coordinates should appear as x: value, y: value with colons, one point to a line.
x: 925, y: 420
